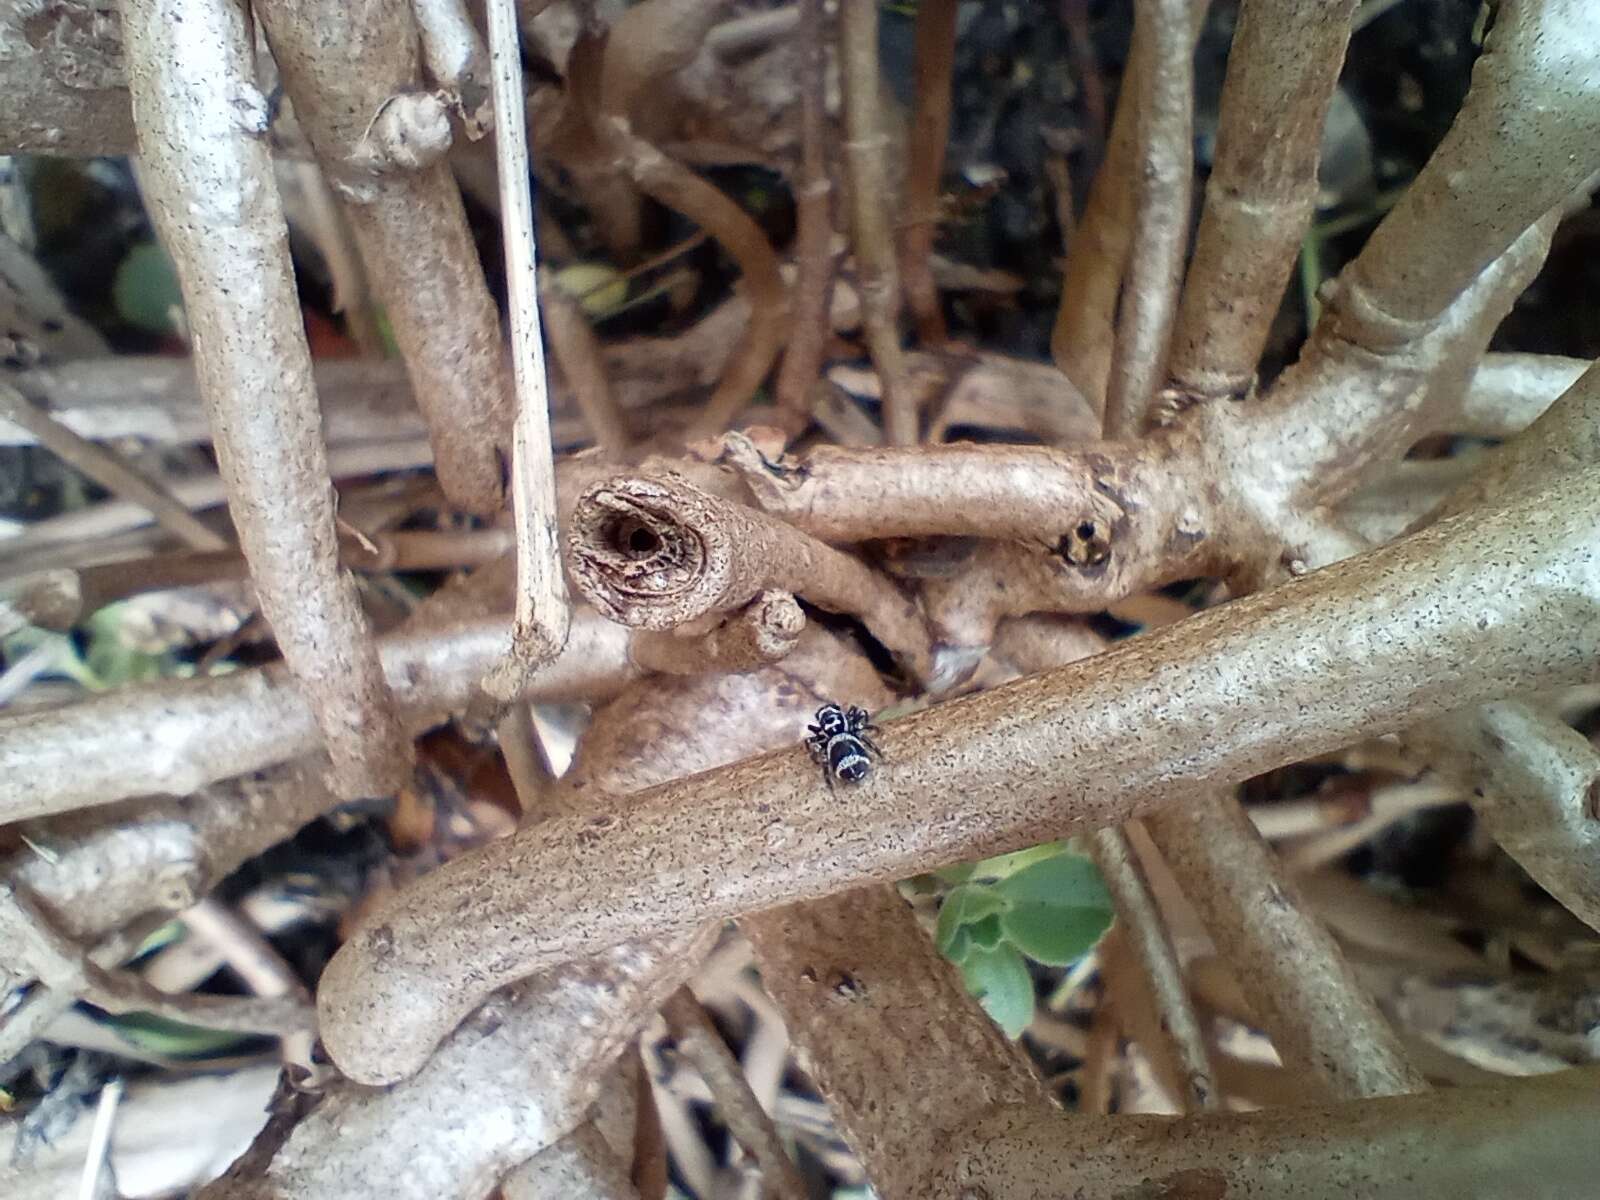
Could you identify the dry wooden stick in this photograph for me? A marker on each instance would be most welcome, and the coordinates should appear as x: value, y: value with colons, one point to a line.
x: 1160, y: 216
x: 1319, y: 1016
x: 1179, y: 1036
x: 352, y: 72
x: 579, y: 355
x: 109, y: 471
x: 99, y: 750
x: 1390, y: 637
x: 208, y: 177
x: 543, y: 612
x: 930, y: 130
x: 872, y: 236
x: 1282, y: 70
x: 764, y: 631
x: 813, y: 242
x: 698, y: 1041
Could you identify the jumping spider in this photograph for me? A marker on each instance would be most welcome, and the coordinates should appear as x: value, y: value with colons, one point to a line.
x: 841, y: 741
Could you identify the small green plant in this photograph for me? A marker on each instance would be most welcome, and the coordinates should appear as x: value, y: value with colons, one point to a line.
x: 1047, y: 904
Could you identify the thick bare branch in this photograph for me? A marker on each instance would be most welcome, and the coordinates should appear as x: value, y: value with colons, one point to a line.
x: 1456, y: 614
x: 348, y: 67
x: 883, y: 1025
x: 764, y: 631
x: 1529, y: 1139
x: 177, y: 737
x: 866, y: 149
x: 657, y: 553
x: 1282, y: 70
x: 529, y: 1066
x: 580, y: 1166
x: 1160, y: 216
x: 208, y: 179
x: 1527, y: 136
x: 1320, y: 1018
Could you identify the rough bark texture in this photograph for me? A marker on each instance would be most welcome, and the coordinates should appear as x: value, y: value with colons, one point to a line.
x: 1403, y: 633
x: 1529, y: 1138
x: 1282, y: 69
x: 208, y: 179
x: 344, y: 65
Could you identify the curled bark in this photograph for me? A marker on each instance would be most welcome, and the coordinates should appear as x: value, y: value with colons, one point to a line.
x: 1160, y: 216
x: 1525, y: 138
x: 658, y: 553
x: 1528, y: 1138
x: 1320, y: 1018
x: 177, y: 737
x: 208, y: 178
x: 456, y: 58
x: 764, y: 631
x: 1392, y: 636
x: 1282, y: 70
x: 871, y: 235
x: 346, y: 65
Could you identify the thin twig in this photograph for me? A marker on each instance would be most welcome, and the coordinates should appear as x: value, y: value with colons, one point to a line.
x: 866, y: 148
x: 109, y: 470
x: 930, y: 131
x: 813, y: 242
x: 543, y: 611
x: 1179, y: 1035
x: 578, y: 353
x: 698, y: 1041
x: 1160, y: 216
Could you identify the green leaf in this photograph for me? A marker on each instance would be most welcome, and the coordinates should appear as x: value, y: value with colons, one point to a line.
x: 1003, y: 865
x: 987, y: 933
x: 964, y: 905
x: 959, y: 873
x: 1054, y: 936
x: 145, y: 290
x: 960, y: 945
x: 1000, y: 980
x: 1064, y: 880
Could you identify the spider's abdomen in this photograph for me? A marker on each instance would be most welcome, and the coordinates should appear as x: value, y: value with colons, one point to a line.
x: 847, y: 759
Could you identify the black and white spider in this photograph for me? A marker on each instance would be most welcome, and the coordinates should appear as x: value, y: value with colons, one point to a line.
x: 841, y: 741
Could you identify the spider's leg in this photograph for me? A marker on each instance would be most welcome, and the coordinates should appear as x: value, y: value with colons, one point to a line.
x: 867, y: 741
x: 833, y: 787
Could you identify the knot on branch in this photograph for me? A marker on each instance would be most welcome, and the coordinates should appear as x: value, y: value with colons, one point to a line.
x: 1086, y: 544
x: 657, y: 553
